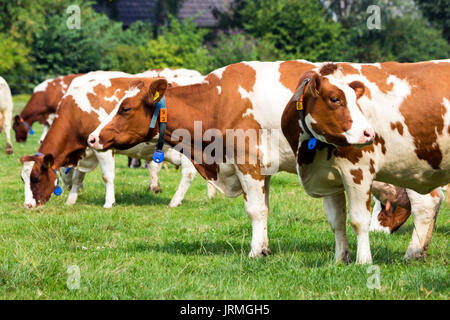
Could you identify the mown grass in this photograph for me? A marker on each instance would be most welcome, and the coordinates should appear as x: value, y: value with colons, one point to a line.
x: 140, y: 249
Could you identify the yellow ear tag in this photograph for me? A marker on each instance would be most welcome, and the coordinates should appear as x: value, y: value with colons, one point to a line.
x: 156, y: 96
x: 299, y: 103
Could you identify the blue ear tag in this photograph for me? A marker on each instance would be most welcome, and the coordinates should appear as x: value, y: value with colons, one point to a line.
x: 312, y: 143
x: 57, y: 190
x: 158, y: 156
x: 67, y: 170
x: 31, y: 131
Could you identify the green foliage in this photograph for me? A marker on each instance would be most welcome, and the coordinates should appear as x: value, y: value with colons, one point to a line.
x: 59, y: 50
x: 235, y: 46
x: 14, y: 66
x: 298, y: 29
x: 438, y: 13
x: 179, y: 46
x: 403, y: 38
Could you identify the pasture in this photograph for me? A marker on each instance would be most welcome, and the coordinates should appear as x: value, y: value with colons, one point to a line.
x: 140, y: 249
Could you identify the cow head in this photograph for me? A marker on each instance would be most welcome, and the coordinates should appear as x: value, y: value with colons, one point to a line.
x: 128, y: 124
x: 331, y: 110
x: 39, y: 179
x: 20, y: 130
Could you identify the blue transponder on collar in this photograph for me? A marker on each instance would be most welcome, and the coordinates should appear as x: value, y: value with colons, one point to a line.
x: 312, y: 143
x: 158, y: 156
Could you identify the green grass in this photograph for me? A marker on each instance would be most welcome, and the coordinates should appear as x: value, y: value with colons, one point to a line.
x: 140, y: 249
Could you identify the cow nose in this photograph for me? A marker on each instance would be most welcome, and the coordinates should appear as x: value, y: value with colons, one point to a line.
x: 92, y: 140
x: 28, y: 205
x: 369, y: 135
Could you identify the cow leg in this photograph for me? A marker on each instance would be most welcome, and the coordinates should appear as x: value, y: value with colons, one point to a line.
x: 359, y: 201
x: 257, y: 210
x: 77, y: 185
x: 7, y: 123
x: 153, y: 170
x: 425, y: 209
x: 336, y: 214
x: 211, y: 190
x: 188, y: 173
x: 107, y: 165
x: 2, y: 119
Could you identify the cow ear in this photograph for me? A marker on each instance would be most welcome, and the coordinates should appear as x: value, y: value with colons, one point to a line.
x: 157, y: 90
x: 48, y: 161
x: 359, y: 88
x: 26, y: 159
x: 315, y: 84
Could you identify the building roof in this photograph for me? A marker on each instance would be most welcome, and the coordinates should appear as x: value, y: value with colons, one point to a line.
x: 203, y: 9
x: 129, y: 11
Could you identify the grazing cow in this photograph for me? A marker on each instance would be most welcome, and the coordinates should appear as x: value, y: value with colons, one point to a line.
x: 42, y: 106
x: 89, y: 99
x: 393, y: 206
x: 230, y: 105
x: 6, y: 109
x: 407, y: 105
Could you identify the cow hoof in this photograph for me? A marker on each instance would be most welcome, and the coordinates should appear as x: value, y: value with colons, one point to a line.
x: 414, y: 254
x: 344, y: 258
x: 154, y: 189
x: 9, y: 149
x: 174, y: 204
x: 262, y: 253
x: 109, y: 205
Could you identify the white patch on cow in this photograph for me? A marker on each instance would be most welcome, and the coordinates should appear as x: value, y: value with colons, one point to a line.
x: 441, y: 61
x: 219, y: 89
x: 41, y: 87
x: 219, y: 72
x: 131, y: 92
x: 113, y: 97
x: 26, y: 173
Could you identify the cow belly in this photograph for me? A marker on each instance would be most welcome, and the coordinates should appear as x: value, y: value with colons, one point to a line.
x: 227, y: 181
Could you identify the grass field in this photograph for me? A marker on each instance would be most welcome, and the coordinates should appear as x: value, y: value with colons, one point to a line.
x: 140, y: 249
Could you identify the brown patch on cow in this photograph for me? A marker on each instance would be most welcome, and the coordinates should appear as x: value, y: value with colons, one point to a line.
x: 380, y: 141
x: 372, y: 166
x: 357, y: 175
x: 328, y: 68
x: 245, y: 196
x: 351, y: 153
x: 291, y: 71
x: 377, y: 76
x: 369, y: 199
x: 435, y: 193
x: 397, y: 126
x: 423, y: 108
x: 347, y: 69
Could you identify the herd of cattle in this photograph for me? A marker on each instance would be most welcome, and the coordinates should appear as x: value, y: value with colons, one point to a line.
x: 365, y: 130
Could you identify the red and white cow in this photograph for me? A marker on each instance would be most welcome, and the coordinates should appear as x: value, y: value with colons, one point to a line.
x: 407, y: 105
x: 42, y: 106
x: 6, y: 109
x: 234, y: 101
x: 88, y: 100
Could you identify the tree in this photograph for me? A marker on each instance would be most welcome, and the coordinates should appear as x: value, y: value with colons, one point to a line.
x: 438, y: 13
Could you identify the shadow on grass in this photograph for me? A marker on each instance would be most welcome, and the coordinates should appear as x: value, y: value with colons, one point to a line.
x: 135, y: 199
x: 382, y: 254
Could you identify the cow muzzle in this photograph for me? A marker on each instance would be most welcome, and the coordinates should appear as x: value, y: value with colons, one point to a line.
x: 94, y: 142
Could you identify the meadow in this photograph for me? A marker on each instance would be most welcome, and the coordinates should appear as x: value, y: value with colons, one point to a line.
x: 140, y: 249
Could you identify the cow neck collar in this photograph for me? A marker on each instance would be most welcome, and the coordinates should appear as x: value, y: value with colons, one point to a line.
x: 58, y: 190
x: 22, y: 121
x: 298, y: 99
x: 161, y: 112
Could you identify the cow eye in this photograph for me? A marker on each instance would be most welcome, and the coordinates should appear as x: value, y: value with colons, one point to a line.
x: 123, y: 110
x: 335, y: 100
